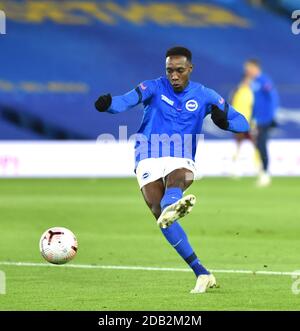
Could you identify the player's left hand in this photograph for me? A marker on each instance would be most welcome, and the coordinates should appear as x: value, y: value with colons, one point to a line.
x: 219, y: 117
x: 103, y: 102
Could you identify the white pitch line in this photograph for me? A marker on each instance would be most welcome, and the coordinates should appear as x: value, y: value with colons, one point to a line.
x: 116, y: 267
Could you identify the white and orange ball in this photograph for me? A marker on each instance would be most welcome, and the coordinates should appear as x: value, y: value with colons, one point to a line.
x: 58, y: 245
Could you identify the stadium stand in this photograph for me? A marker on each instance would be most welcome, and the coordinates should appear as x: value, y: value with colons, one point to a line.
x: 58, y: 56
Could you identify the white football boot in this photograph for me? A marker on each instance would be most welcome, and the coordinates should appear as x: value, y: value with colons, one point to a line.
x: 264, y: 179
x: 177, y: 210
x: 203, y: 283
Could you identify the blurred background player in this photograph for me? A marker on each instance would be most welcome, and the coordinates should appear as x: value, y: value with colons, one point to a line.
x: 173, y: 105
x: 264, y: 110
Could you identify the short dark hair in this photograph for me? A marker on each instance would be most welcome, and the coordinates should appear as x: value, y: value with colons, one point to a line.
x: 254, y: 61
x: 179, y: 50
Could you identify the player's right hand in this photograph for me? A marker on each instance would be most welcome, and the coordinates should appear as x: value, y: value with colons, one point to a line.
x: 103, y: 102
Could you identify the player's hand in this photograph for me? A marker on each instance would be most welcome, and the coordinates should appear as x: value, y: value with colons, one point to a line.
x: 219, y: 117
x: 103, y: 102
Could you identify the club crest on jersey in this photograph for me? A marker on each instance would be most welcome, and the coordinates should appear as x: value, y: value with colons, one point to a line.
x: 167, y: 100
x: 191, y: 105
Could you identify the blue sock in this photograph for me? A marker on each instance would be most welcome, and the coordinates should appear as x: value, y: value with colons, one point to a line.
x: 177, y: 237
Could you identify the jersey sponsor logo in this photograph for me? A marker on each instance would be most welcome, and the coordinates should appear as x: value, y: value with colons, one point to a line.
x: 145, y: 175
x: 191, y: 105
x: 221, y: 101
x: 167, y: 100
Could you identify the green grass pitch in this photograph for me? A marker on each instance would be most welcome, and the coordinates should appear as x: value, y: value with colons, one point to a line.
x: 233, y: 226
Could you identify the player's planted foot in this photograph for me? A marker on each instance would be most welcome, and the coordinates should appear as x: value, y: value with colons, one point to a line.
x: 263, y: 180
x: 204, y: 282
x: 177, y: 210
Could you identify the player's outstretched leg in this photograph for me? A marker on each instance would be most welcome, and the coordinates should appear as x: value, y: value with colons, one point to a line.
x: 177, y: 237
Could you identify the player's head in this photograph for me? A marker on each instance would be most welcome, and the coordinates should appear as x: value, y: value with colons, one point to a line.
x: 252, y: 68
x: 178, y: 67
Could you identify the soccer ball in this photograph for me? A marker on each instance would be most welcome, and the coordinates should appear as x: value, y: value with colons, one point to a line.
x: 58, y: 245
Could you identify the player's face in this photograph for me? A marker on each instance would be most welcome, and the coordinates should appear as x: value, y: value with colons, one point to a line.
x: 251, y: 70
x: 178, y: 70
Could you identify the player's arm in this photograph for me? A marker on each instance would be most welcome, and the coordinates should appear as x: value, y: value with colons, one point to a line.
x: 224, y: 115
x: 121, y: 103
